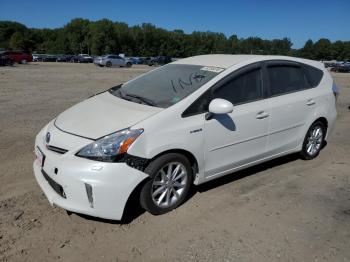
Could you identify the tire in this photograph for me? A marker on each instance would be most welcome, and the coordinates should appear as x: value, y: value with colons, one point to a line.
x: 160, y: 194
x: 313, y: 141
x: 128, y: 64
x: 108, y: 64
x: 23, y: 61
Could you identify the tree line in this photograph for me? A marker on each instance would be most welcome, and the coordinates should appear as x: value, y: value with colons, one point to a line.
x: 107, y: 37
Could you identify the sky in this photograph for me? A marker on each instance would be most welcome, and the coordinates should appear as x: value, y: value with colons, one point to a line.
x: 269, y: 19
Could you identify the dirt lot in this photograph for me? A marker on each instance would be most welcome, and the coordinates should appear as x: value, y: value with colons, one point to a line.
x: 284, y: 210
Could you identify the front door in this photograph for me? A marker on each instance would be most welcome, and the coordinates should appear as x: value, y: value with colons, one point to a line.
x: 239, y: 138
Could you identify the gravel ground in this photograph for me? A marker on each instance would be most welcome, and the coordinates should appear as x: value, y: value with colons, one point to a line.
x: 283, y: 210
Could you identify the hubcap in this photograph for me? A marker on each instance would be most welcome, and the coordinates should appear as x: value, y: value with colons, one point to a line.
x: 169, y: 184
x: 314, y: 141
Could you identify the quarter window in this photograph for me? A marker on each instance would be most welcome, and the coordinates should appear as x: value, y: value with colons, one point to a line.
x: 286, y: 79
x: 313, y: 75
x: 242, y: 89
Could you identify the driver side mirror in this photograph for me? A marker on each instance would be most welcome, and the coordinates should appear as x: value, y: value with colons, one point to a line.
x: 219, y: 106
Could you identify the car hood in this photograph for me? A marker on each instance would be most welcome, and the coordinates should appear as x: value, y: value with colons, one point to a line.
x: 101, y: 115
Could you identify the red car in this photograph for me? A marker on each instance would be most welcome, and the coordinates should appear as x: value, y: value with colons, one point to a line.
x: 19, y: 56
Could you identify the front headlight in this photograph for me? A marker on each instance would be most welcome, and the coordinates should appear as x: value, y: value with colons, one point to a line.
x: 110, y: 147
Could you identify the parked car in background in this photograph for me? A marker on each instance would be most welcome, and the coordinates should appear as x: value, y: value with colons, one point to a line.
x: 82, y: 58
x: 112, y: 60
x: 159, y: 60
x: 49, y: 58
x: 19, y: 56
x: 5, y: 60
x: 36, y: 57
x: 135, y: 60
x: 341, y: 68
x: 63, y: 58
x: 189, y: 122
x: 39, y: 57
x: 328, y: 64
x: 146, y: 60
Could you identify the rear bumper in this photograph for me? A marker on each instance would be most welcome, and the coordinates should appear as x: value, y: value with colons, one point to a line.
x: 331, y: 122
x: 93, y: 188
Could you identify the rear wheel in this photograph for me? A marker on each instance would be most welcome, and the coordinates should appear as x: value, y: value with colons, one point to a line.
x: 169, y: 183
x: 313, y: 141
x: 128, y: 64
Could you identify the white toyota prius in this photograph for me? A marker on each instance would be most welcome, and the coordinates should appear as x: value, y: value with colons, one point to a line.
x: 184, y: 123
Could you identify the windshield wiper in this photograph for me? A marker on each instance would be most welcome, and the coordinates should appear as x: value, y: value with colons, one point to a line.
x: 140, y: 98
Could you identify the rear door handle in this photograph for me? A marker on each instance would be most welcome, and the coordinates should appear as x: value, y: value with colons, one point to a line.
x: 262, y: 115
x: 310, y: 102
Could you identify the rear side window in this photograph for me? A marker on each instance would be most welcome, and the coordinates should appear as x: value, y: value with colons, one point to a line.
x: 313, y: 75
x: 286, y: 79
x: 242, y: 89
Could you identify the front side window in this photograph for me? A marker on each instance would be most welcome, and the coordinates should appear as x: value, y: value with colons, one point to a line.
x: 167, y: 85
x: 285, y: 79
x: 242, y: 89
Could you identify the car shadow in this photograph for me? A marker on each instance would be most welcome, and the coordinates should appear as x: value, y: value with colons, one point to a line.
x: 229, y: 178
x: 225, y: 121
x: 133, y: 209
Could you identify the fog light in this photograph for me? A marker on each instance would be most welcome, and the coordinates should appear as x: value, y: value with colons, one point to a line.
x: 88, y: 188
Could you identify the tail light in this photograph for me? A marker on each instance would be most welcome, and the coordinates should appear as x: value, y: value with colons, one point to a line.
x: 335, y: 91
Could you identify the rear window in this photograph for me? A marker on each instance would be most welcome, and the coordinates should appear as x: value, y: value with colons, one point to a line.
x: 313, y: 75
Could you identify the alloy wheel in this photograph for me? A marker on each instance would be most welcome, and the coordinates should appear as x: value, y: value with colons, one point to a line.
x: 169, y: 184
x: 314, y: 140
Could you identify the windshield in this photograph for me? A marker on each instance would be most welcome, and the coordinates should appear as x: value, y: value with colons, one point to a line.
x: 167, y: 85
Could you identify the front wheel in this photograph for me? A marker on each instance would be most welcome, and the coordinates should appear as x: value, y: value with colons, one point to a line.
x: 170, y: 180
x: 313, y: 141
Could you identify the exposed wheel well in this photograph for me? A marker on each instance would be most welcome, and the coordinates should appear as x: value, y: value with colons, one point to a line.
x: 187, y: 154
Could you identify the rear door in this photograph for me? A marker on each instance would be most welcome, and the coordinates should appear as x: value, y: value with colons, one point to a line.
x: 291, y: 104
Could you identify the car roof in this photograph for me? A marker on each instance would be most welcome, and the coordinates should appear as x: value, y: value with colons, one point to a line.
x: 223, y: 61
x: 226, y: 61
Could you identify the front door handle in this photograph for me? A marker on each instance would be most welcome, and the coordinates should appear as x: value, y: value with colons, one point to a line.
x: 310, y: 102
x: 262, y: 115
